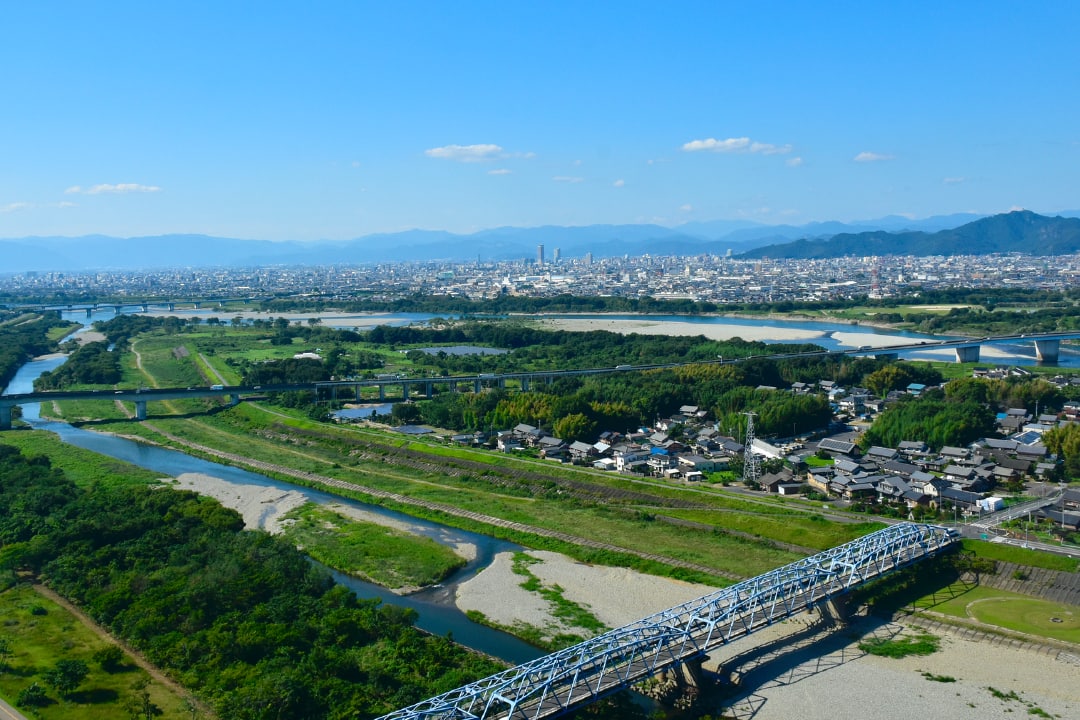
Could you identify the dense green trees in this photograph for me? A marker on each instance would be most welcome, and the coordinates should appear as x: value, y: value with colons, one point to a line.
x: 90, y: 364
x: 240, y: 617
x: 21, y: 338
x: 1065, y: 441
x: 932, y: 419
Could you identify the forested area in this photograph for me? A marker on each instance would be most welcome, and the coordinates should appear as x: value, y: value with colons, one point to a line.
x: 933, y: 420
x: 963, y: 411
x: 241, y: 618
x: 580, y: 408
x: 21, y: 338
x: 89, y: 364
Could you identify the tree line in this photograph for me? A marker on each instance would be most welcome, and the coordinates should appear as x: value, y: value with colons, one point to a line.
x: 239, y: 617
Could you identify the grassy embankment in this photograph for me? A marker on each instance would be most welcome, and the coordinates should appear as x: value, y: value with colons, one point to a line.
x: 947, y: 589
x: 40, y: 633
x: 738, y: 537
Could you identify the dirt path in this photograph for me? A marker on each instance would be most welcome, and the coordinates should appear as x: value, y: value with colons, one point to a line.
x: 142, y: 662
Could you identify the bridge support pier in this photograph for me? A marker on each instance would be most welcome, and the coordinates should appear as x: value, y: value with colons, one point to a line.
x: 429, y: 390
x: 382, y: 393
x: 140, y: 409
x: 477, y: 387
x: 524, y: 384
x: 234, y: 399
x: 1047, y: 350
x: 679, y: 686
x: 836, y: 610
x: 5, y: 417
x: 405, y: 391
x: 967, y: 353
x: 89, y: 311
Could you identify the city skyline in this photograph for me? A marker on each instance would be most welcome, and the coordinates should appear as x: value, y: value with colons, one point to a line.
x: 347, y: 119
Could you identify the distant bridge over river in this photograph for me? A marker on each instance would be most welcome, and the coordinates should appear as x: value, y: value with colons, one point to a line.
x: 403, y: 388
x: 681, y: 636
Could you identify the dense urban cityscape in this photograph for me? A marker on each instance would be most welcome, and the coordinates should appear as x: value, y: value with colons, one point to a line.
x: 712, y: 279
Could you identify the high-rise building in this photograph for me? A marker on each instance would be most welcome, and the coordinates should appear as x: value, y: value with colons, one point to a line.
x: 540, y: 254
x: 588, y: 258
x: 556, y: 255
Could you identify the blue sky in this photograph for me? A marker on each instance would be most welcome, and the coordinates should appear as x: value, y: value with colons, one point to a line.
x: 338, y: 119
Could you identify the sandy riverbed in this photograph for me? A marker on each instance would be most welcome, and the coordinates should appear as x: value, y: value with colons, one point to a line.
x: 786, y: 670
x: 713, y: 331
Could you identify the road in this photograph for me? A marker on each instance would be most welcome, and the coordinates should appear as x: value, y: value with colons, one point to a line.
x: 9, y: 713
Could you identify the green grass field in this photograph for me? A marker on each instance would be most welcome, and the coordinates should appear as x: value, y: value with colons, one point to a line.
x: 39, y: 633
x: 379, y: 554
x: 1007, y: 610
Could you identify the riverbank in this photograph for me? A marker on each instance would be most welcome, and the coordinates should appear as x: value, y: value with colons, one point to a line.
x: 822, y: 674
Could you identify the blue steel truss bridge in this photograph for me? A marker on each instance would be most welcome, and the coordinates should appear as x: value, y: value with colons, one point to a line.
x: 572, y: 678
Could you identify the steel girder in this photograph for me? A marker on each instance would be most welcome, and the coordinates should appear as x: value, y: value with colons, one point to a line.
x: 552, y: 684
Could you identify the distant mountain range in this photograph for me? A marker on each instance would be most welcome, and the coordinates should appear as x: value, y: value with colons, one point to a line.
x: 946, y: 234
x: 1015, y: 232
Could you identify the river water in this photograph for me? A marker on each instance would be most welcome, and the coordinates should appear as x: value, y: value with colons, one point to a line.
x: 437, y: 613
x: 435, y: 606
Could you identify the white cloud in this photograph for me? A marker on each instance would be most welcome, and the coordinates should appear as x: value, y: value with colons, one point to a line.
x: 356, y: 163
x: 865, y: 156
x: 735, y: 145
x: 686, y: 208
x: 14, y: 207
x: 119, y: 188
x: 795, y: 162
x: 66, y: 204
x: 465, y: 153
x: 500, y: 171
x: 568, y: 179
x: 953, y: 180
x: 619, y: 183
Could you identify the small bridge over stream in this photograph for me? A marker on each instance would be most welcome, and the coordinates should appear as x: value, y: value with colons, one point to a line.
x: 680, y: 636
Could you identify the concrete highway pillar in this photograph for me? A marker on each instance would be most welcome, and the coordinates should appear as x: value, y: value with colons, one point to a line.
x: 145, y: 307
x: 234, y: 399
x: 382, y: 393
x: 404, y: 391
x: 1047, y: 350
x: 967, y: 354
x: 172, y: 306
x: 357, y: 393
x: 502, y: 383
x: 5, y: 417
x: 116, y: 309
x: 476, y: 386
x: 198, y: 305
x: 140, y: 409
x: 429, y: 390
x: 89, y: 311
x: 524, y: 384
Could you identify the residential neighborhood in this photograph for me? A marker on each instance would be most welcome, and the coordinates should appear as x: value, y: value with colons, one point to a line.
x: 911, y: 480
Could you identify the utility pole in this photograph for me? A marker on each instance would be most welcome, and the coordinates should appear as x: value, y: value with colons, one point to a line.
x: 751, y: 471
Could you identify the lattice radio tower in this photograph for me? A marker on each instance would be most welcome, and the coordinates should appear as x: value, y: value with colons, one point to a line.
x: 751, y: 471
